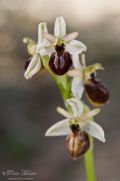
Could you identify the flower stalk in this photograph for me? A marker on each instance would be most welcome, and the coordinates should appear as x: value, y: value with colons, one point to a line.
x: 89, y: 164
x: 62, y: 82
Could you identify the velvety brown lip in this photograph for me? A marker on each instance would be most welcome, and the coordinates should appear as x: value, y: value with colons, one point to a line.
x: 77, y: 144
x: 96, y: 92
x: 60, y: 61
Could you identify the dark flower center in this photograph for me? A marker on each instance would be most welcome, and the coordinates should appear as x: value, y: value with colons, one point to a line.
x: 60, y: 61
x: 75, y: 128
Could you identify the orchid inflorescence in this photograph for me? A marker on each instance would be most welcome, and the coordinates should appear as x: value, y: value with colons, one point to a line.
x: 63, y: 54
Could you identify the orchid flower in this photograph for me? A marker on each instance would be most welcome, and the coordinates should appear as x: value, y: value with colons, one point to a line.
x: 84, y: 78
x: 77, y: 117
x: 71, y: 45
x: 60, y: 47
x: 34, y: 49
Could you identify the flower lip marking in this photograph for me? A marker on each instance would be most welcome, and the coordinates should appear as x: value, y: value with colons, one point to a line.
x: 60, y: 61
x: 78, y: 142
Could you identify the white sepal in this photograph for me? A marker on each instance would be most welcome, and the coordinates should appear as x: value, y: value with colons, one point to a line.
x: 75, y: 47
x: 76, y: 62
x: 91, y: 114
x: 42, y: 28
x: 93, y: 129
x: 77, y: 87
x: 63, y: 112
x: 60, y: 27
x: 46, y: 49
x: 33, y: 67
x: 76, y: 106
x: 59, y: 129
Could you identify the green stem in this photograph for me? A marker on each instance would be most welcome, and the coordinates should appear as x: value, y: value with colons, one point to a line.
x: 64, y: 87
x: 61, y: 81
x: 89, y: 164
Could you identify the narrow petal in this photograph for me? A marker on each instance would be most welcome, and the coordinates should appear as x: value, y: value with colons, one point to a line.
x: 50, y: 37
x: 42, y: 28
x: 33, y: 67
x: 77, y: 107
x: 59, y: 129
x: 77, y: 87
x: 60, y: 27
x: 64, y: 112
x: 76, y: 62
x: 93, y: 129
x: 75, y: 47
x: 71, y: 36
x: 91, y: 114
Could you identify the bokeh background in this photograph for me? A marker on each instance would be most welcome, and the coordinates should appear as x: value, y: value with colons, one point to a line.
x: 28, y: 107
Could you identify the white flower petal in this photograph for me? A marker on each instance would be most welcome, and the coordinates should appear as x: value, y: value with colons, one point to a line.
x: 50, y: 37
x: 91, y: 114
x: 46, y: 51
x: 75, y: 47
x: 64, y: 112
x: 77, y: 87
x: 93, y: 129
x: 59, y: 129
x: 60, y: 27
x: 45, y: 48
x: 33, y: 67
x: 76, y: 105
x: 76, y: 62
x: 71, y: 36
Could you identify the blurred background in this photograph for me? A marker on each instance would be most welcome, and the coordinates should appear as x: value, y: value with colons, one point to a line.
x: 28, y: 107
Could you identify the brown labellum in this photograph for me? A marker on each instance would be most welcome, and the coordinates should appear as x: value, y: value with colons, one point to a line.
x: 60, y: 61
x: 96, y: 92
x: 77, y: 144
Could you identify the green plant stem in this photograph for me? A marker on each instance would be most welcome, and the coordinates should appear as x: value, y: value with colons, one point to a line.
x: 61, y: 81
x: 89, y: 164
x: 64, y: 87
